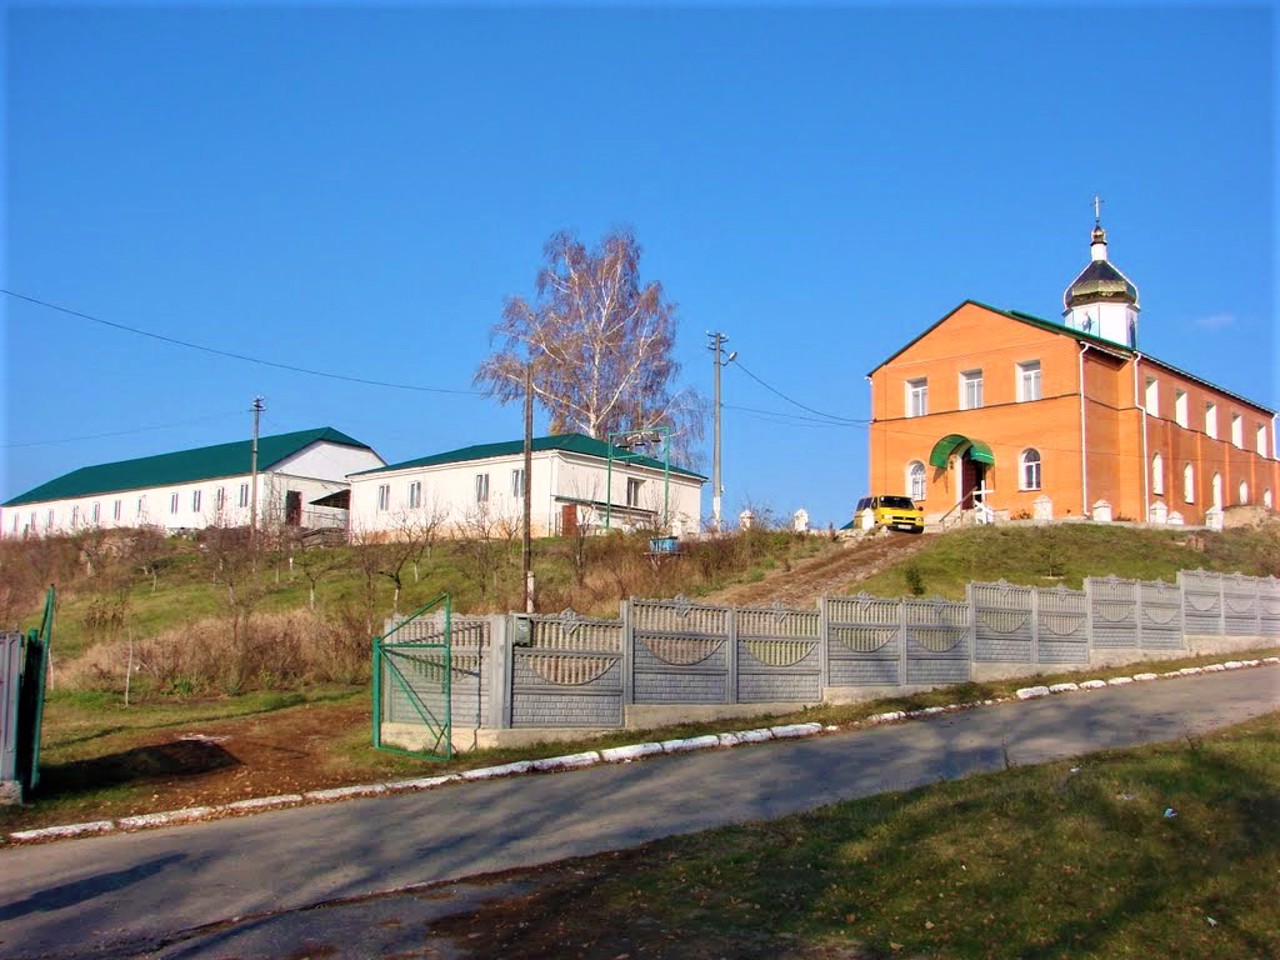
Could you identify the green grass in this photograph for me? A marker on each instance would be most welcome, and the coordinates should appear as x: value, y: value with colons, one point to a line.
x: 1067, y: 553
x: 1067, y: 860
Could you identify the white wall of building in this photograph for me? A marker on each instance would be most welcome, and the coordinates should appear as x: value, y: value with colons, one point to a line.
x: 558, y: 478
x: 191, y: 506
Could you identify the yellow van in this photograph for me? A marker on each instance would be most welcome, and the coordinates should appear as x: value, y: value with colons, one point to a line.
x: 896, y: 513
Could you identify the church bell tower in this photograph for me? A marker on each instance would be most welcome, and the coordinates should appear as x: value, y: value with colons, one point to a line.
x: 1102, y: 301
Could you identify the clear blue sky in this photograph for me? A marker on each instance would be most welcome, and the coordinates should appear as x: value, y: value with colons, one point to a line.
x: 357, y: 191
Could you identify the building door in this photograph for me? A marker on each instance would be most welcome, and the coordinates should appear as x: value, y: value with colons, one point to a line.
x: 973, y: 476
x: 293, y: 508
x: 569, y: 520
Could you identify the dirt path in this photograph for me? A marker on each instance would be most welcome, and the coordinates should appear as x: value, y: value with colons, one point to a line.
x: 832, y: 572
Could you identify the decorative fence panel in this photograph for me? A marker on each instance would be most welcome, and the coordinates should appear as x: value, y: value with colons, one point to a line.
x: 779, y: 655
x: 1159, y: 615
x: 570, y: 674
x: 1062, y: 625
x: 682, y: 652
x: 938, y: 641
x: 1113, y: 613
x: 1004, y: 622
x: 1269, y: 606
x: 1240, y: 606
x: 1201, y: 602
x: 865, y: 640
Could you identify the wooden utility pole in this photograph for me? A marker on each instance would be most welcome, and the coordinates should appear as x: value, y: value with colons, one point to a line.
x: 526, y: 553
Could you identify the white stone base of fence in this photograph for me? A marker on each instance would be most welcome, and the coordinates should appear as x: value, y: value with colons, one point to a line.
x: 845, y: 695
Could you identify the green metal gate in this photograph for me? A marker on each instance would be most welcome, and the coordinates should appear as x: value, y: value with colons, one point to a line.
x: 412, y: 678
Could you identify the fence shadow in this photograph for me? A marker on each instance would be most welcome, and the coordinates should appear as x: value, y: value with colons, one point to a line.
x: 164, y: 761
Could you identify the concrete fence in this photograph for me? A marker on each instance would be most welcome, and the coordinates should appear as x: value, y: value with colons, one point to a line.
x: 668, y: 660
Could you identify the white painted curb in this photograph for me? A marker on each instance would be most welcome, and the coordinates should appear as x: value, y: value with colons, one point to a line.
x: 692, y: 743
x: 630, y: 752
x: 1063, y: 687
x: 163, y: 819
x: 795, y: 730
x: 71, y: 830
x: 567, y: 762
x: 261, y: 803
x: 343, y: 793
x: 1092, y: 684
x: 1030, y: 693
x: 506, y: 770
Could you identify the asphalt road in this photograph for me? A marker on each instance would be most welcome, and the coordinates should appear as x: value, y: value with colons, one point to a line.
x: 117, y: 894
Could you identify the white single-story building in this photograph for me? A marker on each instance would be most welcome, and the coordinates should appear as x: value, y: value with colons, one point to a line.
x: 302, y: 481
x: 577, y: 483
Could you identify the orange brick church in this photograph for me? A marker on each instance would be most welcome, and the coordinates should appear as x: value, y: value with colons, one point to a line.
x: 1006, y: 415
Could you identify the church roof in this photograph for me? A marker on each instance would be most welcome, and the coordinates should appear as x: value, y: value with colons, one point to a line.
x: 1100, y: 281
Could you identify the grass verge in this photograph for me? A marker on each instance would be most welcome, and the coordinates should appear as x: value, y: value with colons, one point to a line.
x: 1076, y: 859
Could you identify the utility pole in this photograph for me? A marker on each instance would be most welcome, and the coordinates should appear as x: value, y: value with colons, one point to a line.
x: 715, y: 344
x: 526, y: 552
x: 257, y: 408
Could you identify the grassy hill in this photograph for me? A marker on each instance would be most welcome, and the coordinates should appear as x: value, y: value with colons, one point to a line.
x: 211, y: 615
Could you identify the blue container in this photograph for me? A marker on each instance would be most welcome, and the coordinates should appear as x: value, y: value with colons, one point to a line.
x: 664, y: 545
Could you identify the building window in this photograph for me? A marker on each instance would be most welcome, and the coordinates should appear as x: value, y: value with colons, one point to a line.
x: 1266, y: 502
x: 116, y: 509
x: 1157, y: 475
x: 75, y: 516
x: 97, y: 513
x: 244, y: 494
x: 384, y: 497
x: 1029, y: 472
x: 173, y: 502
x: 195, y: 500
x: 918, y: 397
x: 1211, y: 420
x: 48, y: 520
x: 971, y: 390
x: 142, y: 506
x: 220, y: 499
x: 1180, y: 407
x: 1029, y: 381
x: 415, y: 495
x: 517, y: 483
x: 1189, y: 483
x: 1243, y: 492
x: 1153, y: 397
x: 633, y: 491
x: 915, y: 480
x: 482, y: 488
x: 1217, y: 490
x: 1262, y: 439
x: 1237, y: 430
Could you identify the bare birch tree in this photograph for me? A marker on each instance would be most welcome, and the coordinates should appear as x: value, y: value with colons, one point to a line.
x: 600, y: 343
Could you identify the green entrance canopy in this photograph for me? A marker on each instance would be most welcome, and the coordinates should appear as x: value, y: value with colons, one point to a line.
x: 977, y: 450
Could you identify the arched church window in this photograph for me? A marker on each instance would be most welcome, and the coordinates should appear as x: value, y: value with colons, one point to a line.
x: 1157, y: 475
x: 1189, y: 483
x: 1029, y: 470
x: 915, y: 480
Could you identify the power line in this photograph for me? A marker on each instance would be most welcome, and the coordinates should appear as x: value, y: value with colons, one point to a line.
x: 797, y: 403
x: 794, y: 419
x: 122, y: 433
x: 236, y: 356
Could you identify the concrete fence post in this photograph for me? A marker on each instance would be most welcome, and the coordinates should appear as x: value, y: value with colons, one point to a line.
x: 731, y: 659
x: 1222, y: 605
x: 501, y: 671
x: 1088, y: 617
x: 627, y: 614
x: 902, y: 642
x: 824, y: 648
x: 1137, y: 613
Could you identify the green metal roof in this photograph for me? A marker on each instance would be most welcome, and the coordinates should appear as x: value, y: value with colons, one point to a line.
x: 183, y: 466
x: 568, y: 442
x: 976, y: 449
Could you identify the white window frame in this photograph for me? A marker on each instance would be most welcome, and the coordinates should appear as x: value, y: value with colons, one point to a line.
x: 196, y: 498
x: 1029, y: 385
x: 117, y: 508
x: 173, y: 502
x: 1188, y: 483
x: 244, y: 494
x: 1153, y: 396
x: 1261, y: 440
x: 517, y: 483
x: 1211, y: 420
x: 971, y: 390
x: 917, y: 481
x: 1157, y: 474
x: 482, y: 488
x: 384, y: 497
x: 220, y: 499
x: 415, y: 495
x: 1030, y: 476
x: 634, y: 487
x: 917, y: 397
x: 1237, y: 430
x: 1180, y: 408
x: 96, y: 513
